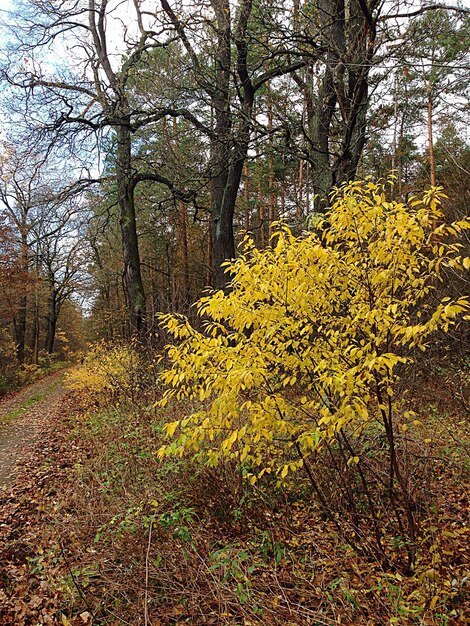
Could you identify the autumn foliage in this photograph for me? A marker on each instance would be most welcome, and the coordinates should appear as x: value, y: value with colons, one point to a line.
x: 307, y: 349
x: 108, y: 373
x: 314, y: 331
x: 319, y: 441
x: 12, y: 284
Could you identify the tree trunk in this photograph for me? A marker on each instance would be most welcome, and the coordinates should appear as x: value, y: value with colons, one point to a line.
x: 432, y: 162
x: 339, y: 110
x: 133, y: 284
x: 20, y: 329
x: 221, y: 210
x: 20, y: 326
x: 35, y: 330
x: 300, y: 193
x: 272, y: 191
x: 210, y: 259
x: 183, y: 250
x: 51, y: 325
x: 261, y: 212
x: 246, y: 197
x: 222, y: 230
x: 320, y: 116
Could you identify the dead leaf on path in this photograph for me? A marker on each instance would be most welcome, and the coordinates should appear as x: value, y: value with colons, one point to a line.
x: 85, y: 617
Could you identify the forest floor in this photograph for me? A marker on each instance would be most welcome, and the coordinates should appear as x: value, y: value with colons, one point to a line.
x: 95, y: 531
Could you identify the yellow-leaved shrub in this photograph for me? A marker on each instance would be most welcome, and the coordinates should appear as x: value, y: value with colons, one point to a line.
x: 313, y: 334
x: 108, y: 372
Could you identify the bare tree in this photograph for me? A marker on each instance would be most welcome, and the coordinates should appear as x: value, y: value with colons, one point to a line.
x: 62, y: 260
x: 336, y: 88
x: 91, y: 100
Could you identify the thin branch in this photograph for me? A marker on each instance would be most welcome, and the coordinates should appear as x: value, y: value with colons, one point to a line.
x: 432, y: 7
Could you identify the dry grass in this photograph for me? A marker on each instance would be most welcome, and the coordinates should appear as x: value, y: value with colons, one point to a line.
x: 174, y: 542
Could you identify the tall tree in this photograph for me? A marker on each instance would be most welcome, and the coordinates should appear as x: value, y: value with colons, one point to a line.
x: 12, y: 278
x: 91, y: 98
x: 336, y: 87
x: 62, y: 264
x: 438, y: 45
x: 231, y: 73
x: 21, y: 182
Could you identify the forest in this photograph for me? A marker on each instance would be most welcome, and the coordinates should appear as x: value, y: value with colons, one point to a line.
x: 234, y: 312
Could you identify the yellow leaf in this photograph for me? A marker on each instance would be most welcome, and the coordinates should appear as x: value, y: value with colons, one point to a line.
x: 433, y: 602
x: 171, y: 427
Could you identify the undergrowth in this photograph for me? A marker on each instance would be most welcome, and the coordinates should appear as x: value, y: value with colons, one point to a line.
x: 177, y: 542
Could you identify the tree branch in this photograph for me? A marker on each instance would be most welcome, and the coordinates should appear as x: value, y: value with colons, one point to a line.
x: 420, y: 11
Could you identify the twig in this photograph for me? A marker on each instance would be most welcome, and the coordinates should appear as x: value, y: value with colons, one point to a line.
x: 147, y: 558
x: 72, y: 576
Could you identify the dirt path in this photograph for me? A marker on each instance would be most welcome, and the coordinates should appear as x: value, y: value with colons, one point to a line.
x: 21, y: 417
x: 35, y: 459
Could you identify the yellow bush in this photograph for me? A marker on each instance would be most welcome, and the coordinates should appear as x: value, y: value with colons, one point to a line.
x: 313, y: 334
x: 107, y: 372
